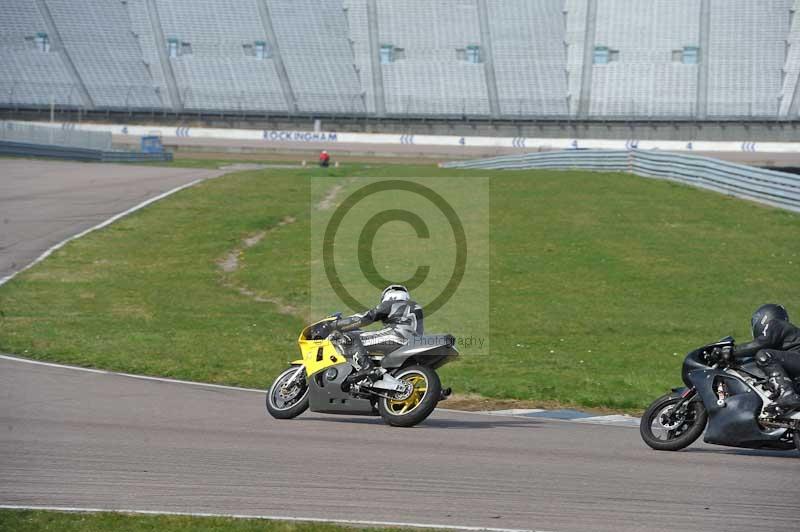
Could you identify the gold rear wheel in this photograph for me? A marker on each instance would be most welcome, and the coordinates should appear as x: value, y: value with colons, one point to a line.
x: 419, y: 387
x: 413, y: 406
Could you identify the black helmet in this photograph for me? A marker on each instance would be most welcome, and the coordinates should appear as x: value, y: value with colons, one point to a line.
x: 766, y: 313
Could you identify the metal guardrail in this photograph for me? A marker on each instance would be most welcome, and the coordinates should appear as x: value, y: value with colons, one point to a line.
x: 54, y: 134
x: 27, y: 149
x: 778, y: 189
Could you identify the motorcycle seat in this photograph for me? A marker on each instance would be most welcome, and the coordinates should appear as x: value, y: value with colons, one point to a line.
x: 418, y: 343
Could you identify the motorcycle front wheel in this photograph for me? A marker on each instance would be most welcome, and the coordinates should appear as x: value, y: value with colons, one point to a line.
x: 418, y: 405
x: 288, y: 398
x: 663, y: 429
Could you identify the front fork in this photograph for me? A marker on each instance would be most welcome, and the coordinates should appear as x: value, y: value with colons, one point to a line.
x: 686, y: 397
x: 294, y: 376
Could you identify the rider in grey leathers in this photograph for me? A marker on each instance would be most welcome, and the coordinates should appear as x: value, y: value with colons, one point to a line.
x: 402, y: 320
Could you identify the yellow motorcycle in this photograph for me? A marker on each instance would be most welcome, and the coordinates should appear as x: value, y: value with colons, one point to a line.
x: 407, y: 392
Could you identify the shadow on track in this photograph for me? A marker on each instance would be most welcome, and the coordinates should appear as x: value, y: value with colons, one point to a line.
x: 747, y: 452
x: 488, y: 423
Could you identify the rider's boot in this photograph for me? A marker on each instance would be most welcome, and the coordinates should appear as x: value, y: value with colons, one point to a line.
x: 365, y: 367
x: 787, y: 398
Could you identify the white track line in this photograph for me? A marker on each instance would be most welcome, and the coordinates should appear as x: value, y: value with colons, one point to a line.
x: 613, y: 420
x: 105, y: 223
x: 266, y: 518
x: 129, y: 375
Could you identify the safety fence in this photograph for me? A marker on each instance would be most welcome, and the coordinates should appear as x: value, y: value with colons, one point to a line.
x: 27, y: 149
x: 56, y: 135
x: 778, y: 189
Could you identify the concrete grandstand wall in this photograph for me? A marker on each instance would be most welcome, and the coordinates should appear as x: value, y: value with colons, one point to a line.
x: 332, y: 138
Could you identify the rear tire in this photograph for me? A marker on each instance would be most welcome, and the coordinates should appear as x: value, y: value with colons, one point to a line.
x: 679, y: 432
x: 423, y: 400
x: 283, y: 405
x: 797, y: 437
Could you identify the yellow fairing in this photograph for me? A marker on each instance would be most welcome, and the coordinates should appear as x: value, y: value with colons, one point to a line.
x: 318, y: 354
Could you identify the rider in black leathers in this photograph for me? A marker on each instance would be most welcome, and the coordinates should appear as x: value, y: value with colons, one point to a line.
x: 402, y: 320
x: 776, y: 348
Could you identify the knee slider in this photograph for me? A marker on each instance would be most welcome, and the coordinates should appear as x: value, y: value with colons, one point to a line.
x: 763, y: 358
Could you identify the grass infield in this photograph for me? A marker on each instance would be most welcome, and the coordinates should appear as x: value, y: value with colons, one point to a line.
x: 599, y: 283
x: 47, y: 521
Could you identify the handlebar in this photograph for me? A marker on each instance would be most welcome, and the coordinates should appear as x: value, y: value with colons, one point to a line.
x: 719, y: 355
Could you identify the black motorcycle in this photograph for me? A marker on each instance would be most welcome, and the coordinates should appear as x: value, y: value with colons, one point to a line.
x: 728, y: 398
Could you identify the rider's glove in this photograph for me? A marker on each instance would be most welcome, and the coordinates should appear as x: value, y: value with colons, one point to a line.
x: 727, y: 354
x: 336, y: 335
x: 714, y: 356
x: 720, y: 354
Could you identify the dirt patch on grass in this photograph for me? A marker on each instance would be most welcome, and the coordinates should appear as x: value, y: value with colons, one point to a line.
x: 328, y: 201
x: 479, y: 403
x: 230, y: 263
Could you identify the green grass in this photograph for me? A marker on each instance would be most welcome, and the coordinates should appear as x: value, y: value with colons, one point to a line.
x: 45, y: 521
x: 598, y: 283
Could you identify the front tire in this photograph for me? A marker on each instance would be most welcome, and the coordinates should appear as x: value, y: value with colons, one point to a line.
x: 797, y: 437
x: 287, y: 402
x: 664, y: 430
x: 419, y: 405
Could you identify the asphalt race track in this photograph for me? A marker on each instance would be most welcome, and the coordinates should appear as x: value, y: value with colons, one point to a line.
x: 44, y: 202
x: 72, y: 438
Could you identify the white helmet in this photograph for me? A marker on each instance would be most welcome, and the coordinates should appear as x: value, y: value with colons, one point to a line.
x: 395, y: 292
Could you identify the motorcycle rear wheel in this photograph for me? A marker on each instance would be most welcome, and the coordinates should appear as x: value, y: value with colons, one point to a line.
x: 419, y: 405
x: 679, y: 432
x: 287, y: 404
x: 797, y: 438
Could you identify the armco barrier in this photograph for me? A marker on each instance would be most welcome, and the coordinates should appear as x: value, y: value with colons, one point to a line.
x: 61, y: 135
x: 777, y: 189
x: 26, y: 149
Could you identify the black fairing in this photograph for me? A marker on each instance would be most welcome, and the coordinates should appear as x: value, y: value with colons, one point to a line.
x: 432, y: 351
x: 696, y: 359
x: 749, y: 366
x: 734, y: 424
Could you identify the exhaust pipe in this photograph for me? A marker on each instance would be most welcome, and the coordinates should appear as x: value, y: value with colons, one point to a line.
x: 445, y: 394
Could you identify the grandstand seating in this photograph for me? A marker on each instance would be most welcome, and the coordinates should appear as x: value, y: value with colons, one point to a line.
x: 97, y: 35
x: 139, y: 16
x: 529, y: 56
x: 217, y: 74
x: 574, y: 41
x: 648, y: 79
x: 747, y: 53
x: 792, y: 67
x: 27, y: 75
x: 661, y: 59
x: 313, y: 41
x: 428, y: 76
x: 358, y: 31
